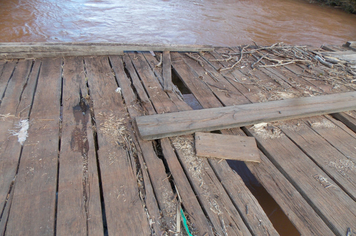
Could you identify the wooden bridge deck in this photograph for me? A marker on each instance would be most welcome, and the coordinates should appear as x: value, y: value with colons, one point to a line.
x: 83, y: 170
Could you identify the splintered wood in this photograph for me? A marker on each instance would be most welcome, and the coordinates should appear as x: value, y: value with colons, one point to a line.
x: 226, y: 147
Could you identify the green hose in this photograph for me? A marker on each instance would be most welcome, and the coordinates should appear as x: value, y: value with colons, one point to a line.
x: 185, y: 222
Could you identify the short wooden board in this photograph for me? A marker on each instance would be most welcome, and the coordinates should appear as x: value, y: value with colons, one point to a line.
x: 226, y: 147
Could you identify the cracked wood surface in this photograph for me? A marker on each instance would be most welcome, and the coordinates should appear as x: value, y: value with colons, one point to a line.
x: 33, y: 204
x: 119, y: 183
x: 85, y: 170
x: 79, y: 204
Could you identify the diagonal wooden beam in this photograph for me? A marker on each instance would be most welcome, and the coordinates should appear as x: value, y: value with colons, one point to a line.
x: 187, y: 122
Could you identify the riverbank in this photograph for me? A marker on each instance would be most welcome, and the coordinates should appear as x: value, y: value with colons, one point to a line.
x: 347, y: 5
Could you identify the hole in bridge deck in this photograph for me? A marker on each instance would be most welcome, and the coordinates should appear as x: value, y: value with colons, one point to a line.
x: 187, y: 94
x: 279, y: 220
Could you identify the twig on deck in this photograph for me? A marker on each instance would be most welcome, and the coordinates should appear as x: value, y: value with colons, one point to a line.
x: 160, y: 61
x: 196, y: 59
x: 241, y: 55
x: 253, y: 64
x: 283, y: 64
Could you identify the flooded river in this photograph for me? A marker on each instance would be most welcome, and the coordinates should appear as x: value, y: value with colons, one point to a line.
x: 224, y: 22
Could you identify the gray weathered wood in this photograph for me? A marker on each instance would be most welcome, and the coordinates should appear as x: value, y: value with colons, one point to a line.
x: 79, y: 206
x: 37, y: 50
x: 167, y: 72
x: 226, y: 147
x: 33, y: 204
x: 118, y: 175
x: 173, y: 124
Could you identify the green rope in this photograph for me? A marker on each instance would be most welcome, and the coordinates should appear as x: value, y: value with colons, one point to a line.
x: 185, y: 222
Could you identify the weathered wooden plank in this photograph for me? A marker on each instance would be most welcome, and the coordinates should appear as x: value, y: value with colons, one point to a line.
x: 211, y: 193
x: 151, y: 84
x: 191, y: 205
x: 190, y: 202
x: 228, y: 210
x: 33, y: 204
x: 222, y: 169
x: 314, y: 184
x: 79, y: 205
x: 19, y: 46
x: 214, y: 80
x: 167, y: 72
x: 6, y: 74
x: 318, y: 149
x: 134, y: 108
x: 159, y: 177
x: 176, y: 97
x: 337, y: 134
x: 300, y: 213
x: 10, y: 148
x: 348, y: 118
x: 37, y: 50
x: 303, y: 215
x: 226, y: 147
x: 119, y: 183
x: 165, y: 125
x: 2, y: 64
x: 191, y: 80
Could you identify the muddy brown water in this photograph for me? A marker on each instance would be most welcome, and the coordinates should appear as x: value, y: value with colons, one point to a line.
x: 219, y: 23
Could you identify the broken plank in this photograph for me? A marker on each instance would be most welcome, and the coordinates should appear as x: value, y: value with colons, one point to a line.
x: 167, y: 72
x: 159, y: 177
x: 229, y: 220
x: 191, y: 205
x: 119, y: 183
x: 151, y: 84
x: 299, y: 212
x: 177, y: 96
x: 210, y: 192
x: 238, y: 192
x: 79, y: 205
x: 33, y: 206
x: 173, y: 124
x: 191, y: 80
x: 226, y: 147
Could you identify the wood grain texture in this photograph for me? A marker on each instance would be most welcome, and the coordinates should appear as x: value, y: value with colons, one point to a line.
x: 301, y: 214
x: 321, y: 140
x: 134, y: 109
x: 6, y: 74
x: 33, y: 204
x: 226, y: 147
x: 38, y: 50
x: 229, y: 220
x: 240, y: 196
x: 167, y: 125
x: 79, y: 206
x: 119, y: 183
x: 10, y: 147
x: 167, y: 72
